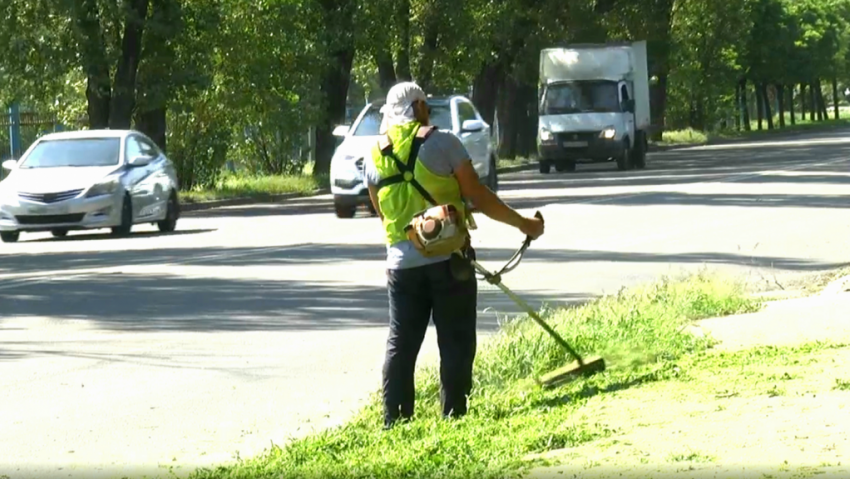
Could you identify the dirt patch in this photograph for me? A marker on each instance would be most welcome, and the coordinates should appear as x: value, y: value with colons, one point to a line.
x: 766, y: 415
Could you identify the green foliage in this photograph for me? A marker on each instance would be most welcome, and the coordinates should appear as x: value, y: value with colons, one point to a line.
x: 244, y: 81
x: 640, y: 332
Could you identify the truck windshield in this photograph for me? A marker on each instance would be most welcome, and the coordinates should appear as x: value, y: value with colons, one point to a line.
x: 370, y: 125
x: 581, y: 97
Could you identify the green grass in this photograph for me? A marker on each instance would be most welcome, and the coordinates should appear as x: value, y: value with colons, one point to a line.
x: 245, y: 186
x: 689, y: 136
x: 641, y: 332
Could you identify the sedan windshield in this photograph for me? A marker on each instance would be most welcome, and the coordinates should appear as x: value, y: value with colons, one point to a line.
x: 581, y: 97
x: 370, y: 125
x: 74, y: 153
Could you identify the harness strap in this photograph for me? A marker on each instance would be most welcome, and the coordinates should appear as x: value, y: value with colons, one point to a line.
x: 407, y: 170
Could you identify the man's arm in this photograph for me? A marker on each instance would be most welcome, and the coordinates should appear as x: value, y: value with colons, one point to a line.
x: 490, y: 204
x: 373, y: 196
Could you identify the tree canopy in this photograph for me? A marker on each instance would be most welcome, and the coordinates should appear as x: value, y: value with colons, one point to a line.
x: 247, y: 81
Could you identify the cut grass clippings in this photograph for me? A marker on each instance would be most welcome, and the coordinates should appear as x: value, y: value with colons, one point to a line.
x: 725, y: 414
x: 640, y: 332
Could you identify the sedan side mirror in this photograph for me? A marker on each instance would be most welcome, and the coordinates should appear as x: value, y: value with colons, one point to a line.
x: 472, y: 126
x: 140, y: 160
x: 10, y: 164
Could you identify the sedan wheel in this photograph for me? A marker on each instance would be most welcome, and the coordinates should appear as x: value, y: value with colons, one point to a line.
x: 171, y: 214
x: 126, y: 218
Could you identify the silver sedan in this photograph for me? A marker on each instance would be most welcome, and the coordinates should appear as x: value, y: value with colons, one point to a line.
x: 88, y: 179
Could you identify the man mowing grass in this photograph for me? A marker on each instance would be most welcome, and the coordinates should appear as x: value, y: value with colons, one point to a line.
x: 412, y: 169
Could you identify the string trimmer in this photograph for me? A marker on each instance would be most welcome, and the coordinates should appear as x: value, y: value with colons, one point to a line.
x: 581, y: 366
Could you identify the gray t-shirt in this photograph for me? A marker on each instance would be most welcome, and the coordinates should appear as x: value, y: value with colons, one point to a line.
x: 442, y: 153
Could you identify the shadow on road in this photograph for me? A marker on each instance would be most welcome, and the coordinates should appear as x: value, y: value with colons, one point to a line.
x: 172, y: 303
x: 95, y: 236
x: 306, y: 254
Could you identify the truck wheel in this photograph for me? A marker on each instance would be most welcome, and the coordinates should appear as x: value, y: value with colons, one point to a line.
x: 624, y: 162
x: 562, y: 166
x: 545, y: 167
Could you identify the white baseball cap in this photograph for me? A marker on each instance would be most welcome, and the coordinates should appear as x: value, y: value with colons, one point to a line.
x: 398, y: 108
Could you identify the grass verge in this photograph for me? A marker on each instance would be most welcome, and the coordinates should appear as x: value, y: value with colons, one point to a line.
x: 689, y: 136
x: 641, y: 332
x: 244, y: 186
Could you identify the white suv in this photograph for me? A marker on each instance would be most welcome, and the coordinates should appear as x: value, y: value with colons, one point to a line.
x: 455, y: 114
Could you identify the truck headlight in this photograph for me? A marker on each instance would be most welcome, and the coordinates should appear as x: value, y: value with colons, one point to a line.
x: 608, y: 133
x: 545, y: 135
x: 106, y: 187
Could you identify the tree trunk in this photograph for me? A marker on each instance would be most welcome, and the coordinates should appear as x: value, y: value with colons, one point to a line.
x: 428, y: 50
x: 152, y: 123
x: 803, y: 101
x: 386, y: 70
x: 402, y: 69
x: 527, y: 120
x: 759, y: 105
x: 658, y: 105
x: 745, y: 105
x: 93, y: 55
x: 485, y: 89
x: 835, y: 97
x: 813, y: 103
x: 738, y: 106
x: 780, y: 96
x: 506, y: 104
x: 791, y: 103
x: 338, y: 19
x: 124, y: 94
x: 765, y: 101
x: 823, y: 113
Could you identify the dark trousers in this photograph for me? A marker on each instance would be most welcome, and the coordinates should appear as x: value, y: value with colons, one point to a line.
x: 415, y: 295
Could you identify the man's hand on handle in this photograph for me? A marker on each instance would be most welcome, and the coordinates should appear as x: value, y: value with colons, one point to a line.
x: 532, y: 227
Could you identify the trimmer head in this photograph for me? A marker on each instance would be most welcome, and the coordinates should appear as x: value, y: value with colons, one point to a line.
x: 571, y: 372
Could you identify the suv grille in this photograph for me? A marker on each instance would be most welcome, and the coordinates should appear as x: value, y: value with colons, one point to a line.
x: 49, y: 219
x: 50, y: 197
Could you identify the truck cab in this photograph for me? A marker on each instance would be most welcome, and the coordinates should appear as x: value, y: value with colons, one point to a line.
x: 594, y: 106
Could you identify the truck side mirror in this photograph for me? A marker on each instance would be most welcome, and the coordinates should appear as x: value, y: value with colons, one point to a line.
x: 629, y: 105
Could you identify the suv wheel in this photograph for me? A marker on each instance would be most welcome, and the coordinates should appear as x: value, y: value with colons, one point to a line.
x: 10, y: 236
x: 344, y: 210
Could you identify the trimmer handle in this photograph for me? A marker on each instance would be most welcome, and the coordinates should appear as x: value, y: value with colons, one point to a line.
x: 528, y: 239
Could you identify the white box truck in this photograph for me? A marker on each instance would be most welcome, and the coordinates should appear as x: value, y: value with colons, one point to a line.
x: 593, y: 105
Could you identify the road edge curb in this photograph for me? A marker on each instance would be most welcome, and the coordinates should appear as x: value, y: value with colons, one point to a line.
x: 248, y: 200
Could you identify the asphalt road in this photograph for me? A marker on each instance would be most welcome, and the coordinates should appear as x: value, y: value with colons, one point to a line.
x: 254, y: 324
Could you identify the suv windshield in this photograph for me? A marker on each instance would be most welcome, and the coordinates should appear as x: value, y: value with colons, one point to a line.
x: 370, y: 125
x: 74, y: 153
x: 581, y: 97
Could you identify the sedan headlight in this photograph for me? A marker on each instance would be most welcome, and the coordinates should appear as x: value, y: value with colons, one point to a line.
x: 106, y: 187
x: 608, y: 133
x: 545, y: 135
